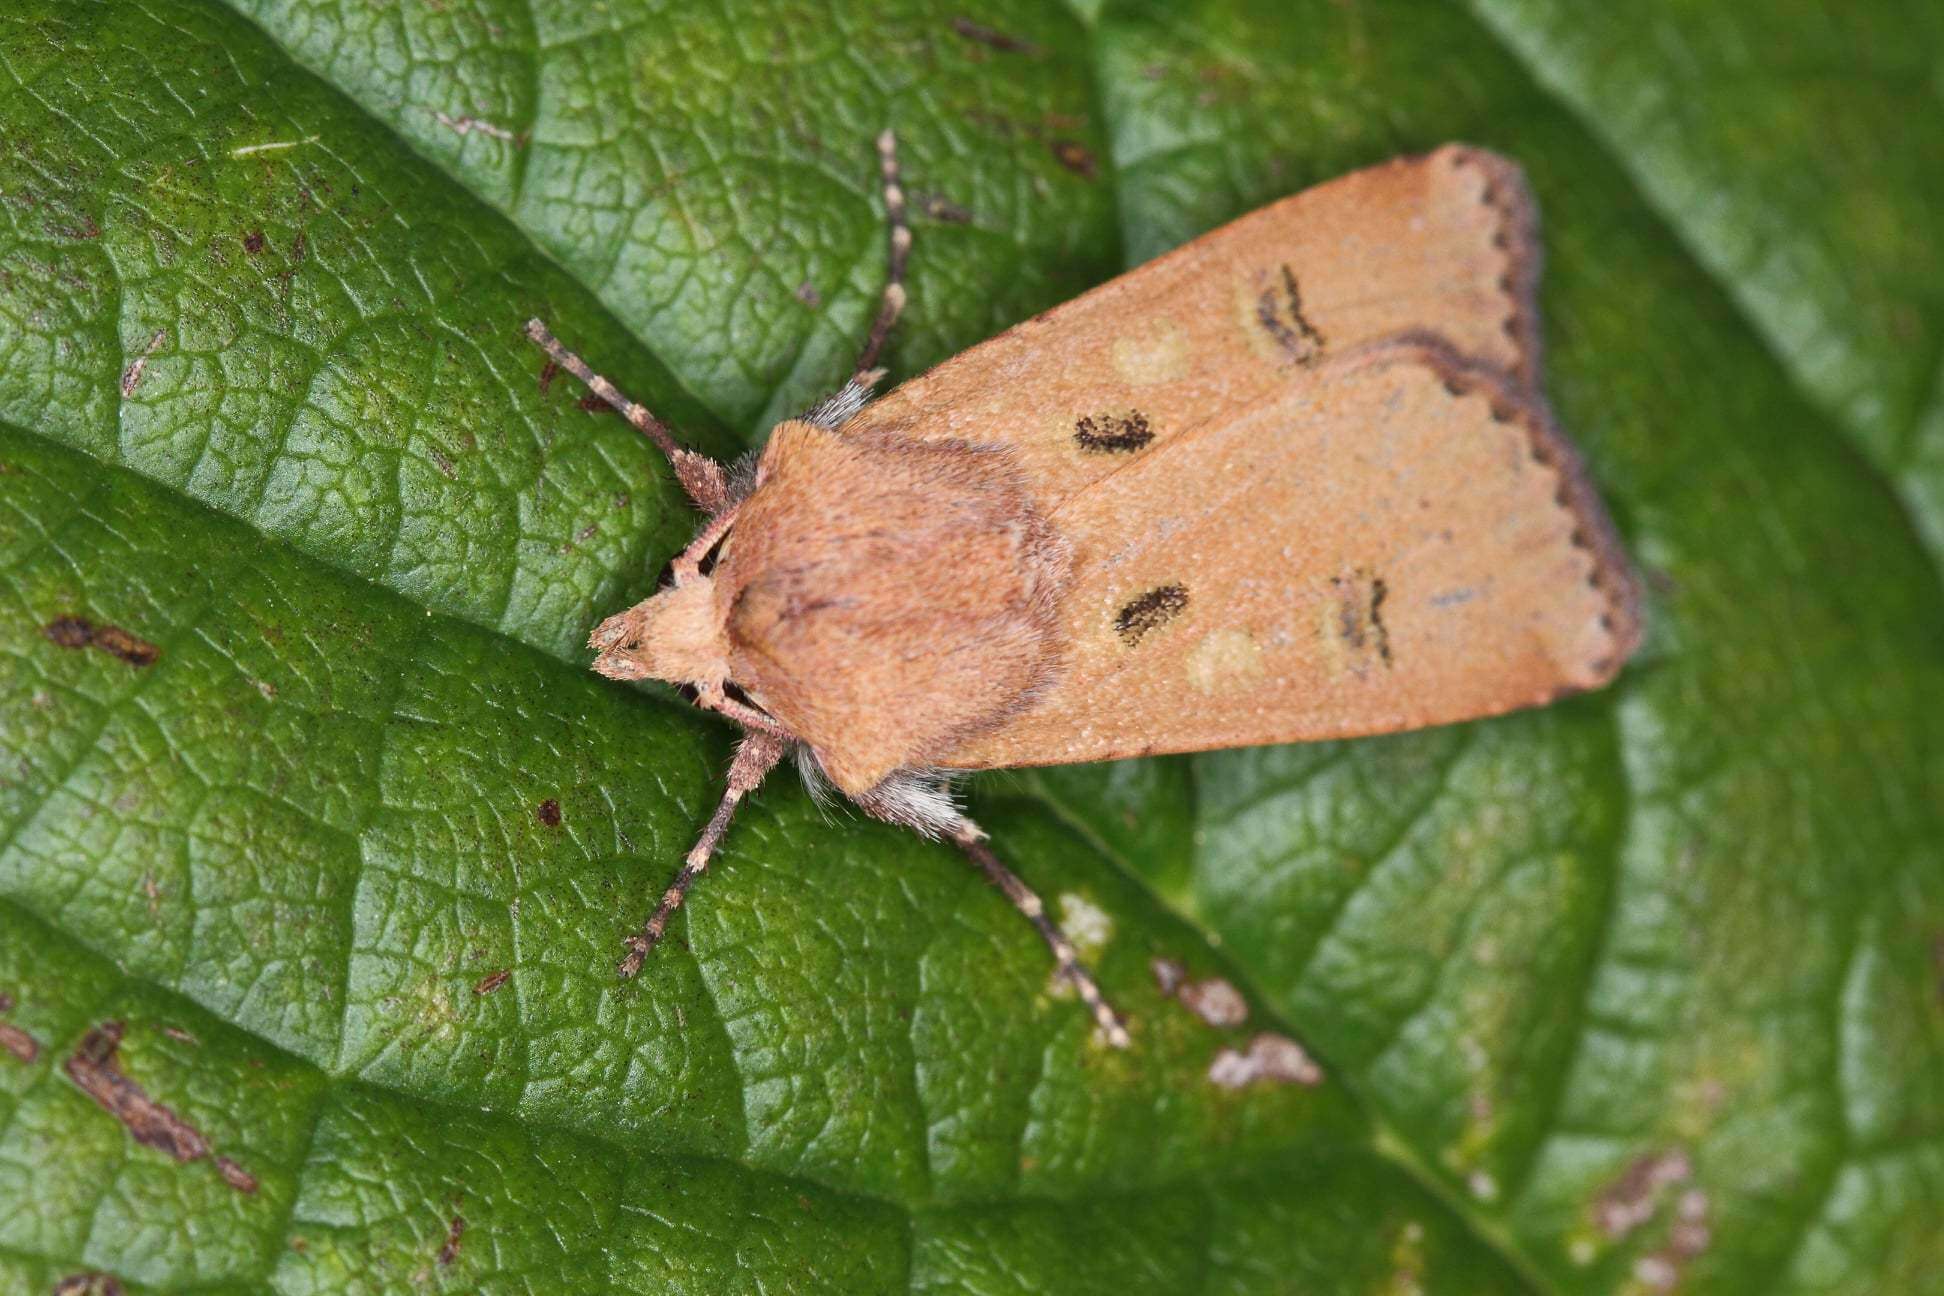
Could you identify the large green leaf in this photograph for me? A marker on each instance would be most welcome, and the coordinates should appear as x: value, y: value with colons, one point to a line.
x: 311, y: 881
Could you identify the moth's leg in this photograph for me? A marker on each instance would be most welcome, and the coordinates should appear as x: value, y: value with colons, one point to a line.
x: 688, y: 563
x: 701, y: 476
x: 971, y: 839
x: 755, y: 757
x: 715, y: 699
x: 900, y: 250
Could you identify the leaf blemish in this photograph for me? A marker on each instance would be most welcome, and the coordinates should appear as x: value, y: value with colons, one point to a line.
x: 464, y: 126
x: 132, y: 376
x: 1085, y: 922
x: 548, y: 813
x: 1632, y: 1199
x: 95, y: 1070
x: 939, y: 208
x: 79, y: 632
x: 1168, y: 974
x: 454, y: 1231
x: 491, y: 981
x: 1004, y: 42
x: 24, y: 1047
x: 1269, y: 1059
x: 1214, y: 1000
x: 1075, y: 157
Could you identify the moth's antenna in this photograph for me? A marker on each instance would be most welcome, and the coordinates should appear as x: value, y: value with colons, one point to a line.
x: 755, y: 757
x: 894, y: 289
x: 701, y: 476
x: 971, y: 839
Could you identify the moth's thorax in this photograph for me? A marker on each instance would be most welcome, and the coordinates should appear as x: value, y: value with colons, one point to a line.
x: 675, y: 636
x: 885, y: 597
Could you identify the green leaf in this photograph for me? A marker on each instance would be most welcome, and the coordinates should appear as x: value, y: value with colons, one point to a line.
x: 312, y: 879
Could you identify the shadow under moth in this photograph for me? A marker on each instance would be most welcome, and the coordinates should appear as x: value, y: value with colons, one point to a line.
x: 1295, y: 480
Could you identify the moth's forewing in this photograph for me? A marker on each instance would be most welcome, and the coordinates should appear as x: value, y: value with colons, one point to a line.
x: 1441, y: 244
x: 1301, y: 481
x: 1401, y: 542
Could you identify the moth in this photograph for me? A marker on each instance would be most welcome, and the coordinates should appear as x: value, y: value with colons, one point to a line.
x: 1295, y: 480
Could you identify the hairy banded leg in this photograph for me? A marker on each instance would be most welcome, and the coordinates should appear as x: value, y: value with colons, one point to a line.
x: 971, y: 839
x: 701, y: 476
x: 755, y: 757
x: 900, y: 251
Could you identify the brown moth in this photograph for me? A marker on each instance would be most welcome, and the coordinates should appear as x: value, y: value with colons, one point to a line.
x: 1295, y: 480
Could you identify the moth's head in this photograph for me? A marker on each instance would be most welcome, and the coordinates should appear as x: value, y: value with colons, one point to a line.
x: 675, y: 636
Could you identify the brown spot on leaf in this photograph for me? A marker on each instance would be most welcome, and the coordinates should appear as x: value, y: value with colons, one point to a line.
x: 1168, y: 974
x: 547, y: 371
x: 79, y: 632
x: 454, y: 1231
x: 132, y: 376
x: 1690, y: 1236
x: 1270, y: 1059
x: 91, y: 1283
x: 464, y: 126
x: 548, y: 813
x: 253, y: 242
x: 235, y: 1175
x: 806, y: 292
x: 1075, y: 157
x: 594, y: 405
x: 491, y: 981
x: 1004, y: 42
x: 941, y: 209
x: 97, y: 1073
x: 1632, y: 1199
x: 1215, y: 1001
x: 18, y: 1042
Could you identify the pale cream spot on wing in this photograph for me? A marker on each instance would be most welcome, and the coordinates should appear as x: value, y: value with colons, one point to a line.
x: 1224, y: 659
x: 1156, y: 353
